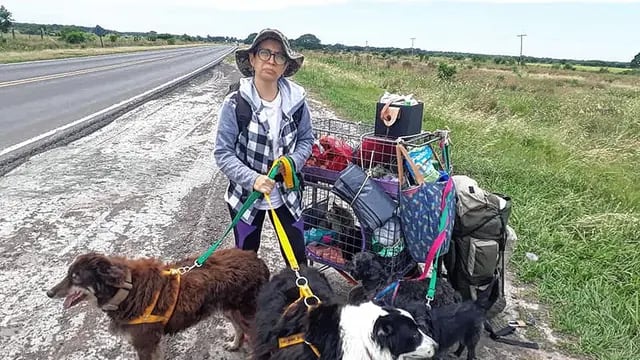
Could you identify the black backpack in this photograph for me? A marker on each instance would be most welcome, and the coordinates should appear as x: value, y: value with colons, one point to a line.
x: 475, y: 262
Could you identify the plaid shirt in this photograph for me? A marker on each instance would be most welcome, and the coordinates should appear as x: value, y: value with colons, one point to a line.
x: 243, y: 158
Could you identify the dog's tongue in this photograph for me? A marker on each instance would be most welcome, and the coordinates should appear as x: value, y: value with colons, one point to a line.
x: 73, y: 299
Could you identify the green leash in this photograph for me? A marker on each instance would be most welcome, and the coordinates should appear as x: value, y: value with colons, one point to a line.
x: 250, y: 200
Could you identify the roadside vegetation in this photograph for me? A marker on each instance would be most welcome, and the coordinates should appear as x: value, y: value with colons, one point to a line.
x: 563, y: 143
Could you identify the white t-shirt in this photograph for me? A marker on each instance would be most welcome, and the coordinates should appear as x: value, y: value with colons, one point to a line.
x: 272, y: 111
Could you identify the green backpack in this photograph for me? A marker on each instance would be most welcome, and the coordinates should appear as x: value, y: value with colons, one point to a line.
x: 475, y: 262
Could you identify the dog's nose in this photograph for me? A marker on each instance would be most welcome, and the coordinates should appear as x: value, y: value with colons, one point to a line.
x: 50, y: 294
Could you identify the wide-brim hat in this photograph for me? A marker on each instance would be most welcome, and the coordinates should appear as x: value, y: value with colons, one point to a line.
x: 295, y: 59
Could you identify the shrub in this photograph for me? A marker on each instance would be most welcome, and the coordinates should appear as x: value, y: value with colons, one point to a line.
x: 75, y: 37
x: 446, y: 71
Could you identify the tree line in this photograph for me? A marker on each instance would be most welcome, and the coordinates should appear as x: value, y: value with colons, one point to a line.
x: 77, y: 34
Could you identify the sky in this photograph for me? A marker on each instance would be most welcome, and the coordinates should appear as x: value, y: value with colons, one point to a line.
x: 568, y: 29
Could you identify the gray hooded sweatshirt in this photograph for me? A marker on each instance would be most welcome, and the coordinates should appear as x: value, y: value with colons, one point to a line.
x: 232, y: 147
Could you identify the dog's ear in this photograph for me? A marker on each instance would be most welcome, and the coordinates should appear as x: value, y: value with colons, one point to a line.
x: 110, y: 273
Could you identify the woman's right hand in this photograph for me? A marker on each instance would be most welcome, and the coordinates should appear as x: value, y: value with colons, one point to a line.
x: 264, y: 184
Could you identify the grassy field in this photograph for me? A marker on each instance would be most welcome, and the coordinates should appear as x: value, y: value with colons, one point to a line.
x: 614, y: 70
x: 28, y: 48
x: 564, y: 144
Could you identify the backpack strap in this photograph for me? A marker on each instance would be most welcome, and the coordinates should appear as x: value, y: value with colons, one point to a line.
x: 498, y: 336
x: 243, y: 113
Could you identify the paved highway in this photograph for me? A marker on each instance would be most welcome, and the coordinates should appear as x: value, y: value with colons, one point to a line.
x: 36, y: 97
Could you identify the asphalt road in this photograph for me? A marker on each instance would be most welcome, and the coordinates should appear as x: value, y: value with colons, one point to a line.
x: 36, y: 97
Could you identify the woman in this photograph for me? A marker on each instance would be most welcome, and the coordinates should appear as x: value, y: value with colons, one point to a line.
x: 279, y: 124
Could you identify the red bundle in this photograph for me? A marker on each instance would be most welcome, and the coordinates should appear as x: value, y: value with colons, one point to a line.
x: 330, y: 153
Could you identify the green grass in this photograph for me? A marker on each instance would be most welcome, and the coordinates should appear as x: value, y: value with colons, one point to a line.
x: 567, y: 151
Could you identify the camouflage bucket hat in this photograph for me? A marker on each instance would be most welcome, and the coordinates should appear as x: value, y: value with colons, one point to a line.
x: 295, y: 59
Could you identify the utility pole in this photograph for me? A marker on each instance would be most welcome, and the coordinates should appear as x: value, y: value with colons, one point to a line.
x: 521, y: 36
x: 412, y: 40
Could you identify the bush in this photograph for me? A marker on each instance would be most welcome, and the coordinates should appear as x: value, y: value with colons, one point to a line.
x: 75, y: 37
x: 113, y: 37
x: 171, y: 41
x: 446, y: 71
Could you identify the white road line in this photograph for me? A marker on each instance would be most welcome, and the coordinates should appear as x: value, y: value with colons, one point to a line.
x: 112, y: 55
x: 78, y: 72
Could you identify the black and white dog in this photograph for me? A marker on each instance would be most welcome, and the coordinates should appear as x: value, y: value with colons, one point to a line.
x: 331, y: 330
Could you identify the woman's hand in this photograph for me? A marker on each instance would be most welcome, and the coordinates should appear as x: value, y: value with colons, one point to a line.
x: 264, y: 184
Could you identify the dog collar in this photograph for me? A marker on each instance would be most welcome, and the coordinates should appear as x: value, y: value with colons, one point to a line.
x: 120, y: 295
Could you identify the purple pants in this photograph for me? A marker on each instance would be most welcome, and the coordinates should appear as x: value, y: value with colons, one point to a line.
x: 248, y: 235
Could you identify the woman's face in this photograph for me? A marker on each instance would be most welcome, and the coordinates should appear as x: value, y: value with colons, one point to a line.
x: 269, y: 62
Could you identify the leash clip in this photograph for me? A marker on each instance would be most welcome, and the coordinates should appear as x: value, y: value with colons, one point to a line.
x: 185, y: 269
x: 309, y: 298
x: 428, y: 303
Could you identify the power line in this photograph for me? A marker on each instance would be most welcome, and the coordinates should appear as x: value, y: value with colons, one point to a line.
x: 521, y: 36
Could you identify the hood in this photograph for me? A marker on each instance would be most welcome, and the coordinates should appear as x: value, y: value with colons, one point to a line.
x: 292, y: 94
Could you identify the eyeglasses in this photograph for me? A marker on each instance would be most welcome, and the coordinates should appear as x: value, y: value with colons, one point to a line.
x: 278, y: 57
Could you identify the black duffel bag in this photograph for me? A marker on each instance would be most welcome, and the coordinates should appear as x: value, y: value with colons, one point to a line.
x: 371, y: 204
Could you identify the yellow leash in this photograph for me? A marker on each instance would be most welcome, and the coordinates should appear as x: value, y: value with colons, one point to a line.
x: 289, y: 181
x: 306, y: 295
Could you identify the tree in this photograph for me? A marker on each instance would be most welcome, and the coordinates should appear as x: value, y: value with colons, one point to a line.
x: 5, y: 19
x: 250, y: 38
x: 635, y: 63
x: 307, y: 41
x: 75, y: 37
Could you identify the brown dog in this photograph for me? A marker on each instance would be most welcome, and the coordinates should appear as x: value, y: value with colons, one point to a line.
x: 145, y: 301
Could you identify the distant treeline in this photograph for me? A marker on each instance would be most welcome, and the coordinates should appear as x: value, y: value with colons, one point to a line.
x: 310, y: 41
x: 60, y: 30
x: 498, y: 59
